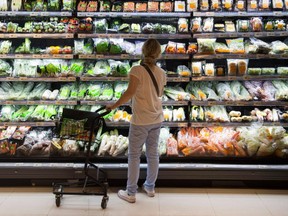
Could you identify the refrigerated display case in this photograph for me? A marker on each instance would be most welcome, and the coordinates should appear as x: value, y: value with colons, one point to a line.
x: 225, y: 104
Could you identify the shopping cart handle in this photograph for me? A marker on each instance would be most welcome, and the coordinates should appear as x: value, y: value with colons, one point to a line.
x: 101, y: 108
x: 104, y: 113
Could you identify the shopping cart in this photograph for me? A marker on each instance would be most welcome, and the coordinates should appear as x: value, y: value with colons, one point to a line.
x: 79, y: 122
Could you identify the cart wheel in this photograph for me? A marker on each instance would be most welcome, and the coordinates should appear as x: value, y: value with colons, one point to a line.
x: 104, y: 202
x: 58, y: 200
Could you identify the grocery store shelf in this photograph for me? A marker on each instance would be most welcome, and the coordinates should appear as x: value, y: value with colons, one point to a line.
x: 239, y: 56
x: 37, y: 102
x: 175, y: 124
x: 117, y: 124
x: 36, y: 14
x: 178, y: 79
x: 240, y: 34
x: 38, y: 79
x: 175, y: 103
x: 126, y: 56
x: 240, y: 103
x: 235, y: 124
x: 41, y: 35
x: 36, y: 56
x: 131, y: 14
x: 136, y: 36
x: 240, y: 14
x: 104, y: 79
x: 94, y: 102
x: 32, y: 124
x: 239, y: 78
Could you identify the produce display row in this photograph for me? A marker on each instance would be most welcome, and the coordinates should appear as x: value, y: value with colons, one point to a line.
x: 253, y: 141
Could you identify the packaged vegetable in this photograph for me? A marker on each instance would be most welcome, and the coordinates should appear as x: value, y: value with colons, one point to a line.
x: 215, y: 5
x: 5, y: 47
x: 232, y: 67
x: 242, y: 67
x: 182, y: 25
x: 180, y: 48
x: 125, y: 28
x: 54, y: 5
x: 229, y: 26
x: 264, y: 5
x: 105, y: 6
x: 282, y: 70
x: 171, y: 47
x: 206, y: 46
x: 256, y: 24
x: 92, y: 6
x: 240, y: 5
x: 179, y: 6
x: 101, y: 45
x: 277, y: 5
x: 115, y: 46
x: 219, y: 27
x: 196, y: 25
x: 268, y: 71
x: 236, y: 45
x: 192, y: 48
x: 141, y: 7
x: 77, y: 67
x: 153, y: 6
x: 139, y: 45
x: 166, y: 6
x: 148, y: 28
x: 227, y: 5
x: 67, y: 5
x: 101, y: 25
x: 208, y: 24
x: 278, y: 47
x: 4, y: 5
x: 183, y: 71
x: 204, y: 5
x: 197, y: 68
x: 168, y: 29
x: 243, y: 25
x: 192, y: 5
x: 179, y: 114
x: 252, y: 5
x: 254, y: 71
x: 117, y: 6
x: 209, y: 69
x: 279, y: 25
x: 168, y: 114
x: 286, y: 4
x: 221, y: 48
x: 5, y: 68
x: 220, y: 70
x: 269, y: 25
x: 128, y: 7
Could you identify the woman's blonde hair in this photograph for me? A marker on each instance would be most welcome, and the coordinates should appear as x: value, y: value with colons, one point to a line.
x: 151, y: 51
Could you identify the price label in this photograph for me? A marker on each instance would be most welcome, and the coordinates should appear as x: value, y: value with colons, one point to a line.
x: 257, y: 103
x: 99, y: 56
x: 71, y: 78
x: 91, y: 103
x: 277, y: 13
x: 59, y: 102
x: 31, y: 102
x: 284, y: 56
x: 44, y: 14
x: 67, y: 56
x: 270, y: 34
x: 34, y: 14
x: 72, y: 102
x: 220, y: 56
x: 40, y: 124
x: 89, y: 14
x: 45, y: 56
x: 2, y: 36
x: 84, y: 79
x: 23, y: 78
x: 56, y: 56
x: 210, y: 14
x: 242, y: 13
x: 8, y: 102
x: 240, y: 103
x: 12, y: 35
x: 211, y: 103
x: 62, y: 78
x: 229, y: 103
x: 283, y: 33
x: 102, y: 35
x: 124, y: 56
x: 3, y: 13
x: 258, y: 34
x: 3, y: 56
x: 19, y: 56
x: 37, y: 36
x: 246, y: 35
x: 124, y: 79
x: 36, y: 56
x: 65, y: 14
x: 11, y: 14
x: 127, y: 15
x: 233, y: 35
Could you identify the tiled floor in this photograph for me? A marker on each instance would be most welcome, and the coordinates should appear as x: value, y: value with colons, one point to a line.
x: 40, y: 201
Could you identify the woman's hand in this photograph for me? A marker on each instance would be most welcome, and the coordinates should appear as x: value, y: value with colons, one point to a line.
x: 109, y: 107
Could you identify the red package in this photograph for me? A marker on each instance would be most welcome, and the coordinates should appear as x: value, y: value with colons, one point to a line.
x: 92, y: 6
x: 153, y: 6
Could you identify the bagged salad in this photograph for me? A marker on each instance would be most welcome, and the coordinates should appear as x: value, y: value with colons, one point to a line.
x: 206, y: 46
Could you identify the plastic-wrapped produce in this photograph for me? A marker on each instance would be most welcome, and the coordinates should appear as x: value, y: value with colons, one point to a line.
x: 269, y: 25
x: 239, y: 91
x: 282, y: 70
x: 168, y: 114
x: 93, y: 91
x: 38, y: 91
x: 279, y: 25
x: 232, y: 67
x: 221, y: 48
x: 236, y: 45
x: 196, y: 68
x: 183, y: 25
x: 179, y: 6
x: 277, y: 5
x: 268, y: 71
x: 264, y: 5
x: 215, y: 5
x: 5, y: 68
x: 240, y: 5
x: 208, y: 24
x: 224, y: 91
x: 252, y: 5
x: 129, y: 7
x: 278, y: 47
x: 64, y: 92
x: 106, y: 92
x: 153, y: 6
x: 4, y: 5
x: 119, y: 89
x: 192, y: 5
x: 204, y: 5
x: 166, y: 6
x: 256, y: 24
x: 209, y: 69
x: 206, y: 46
x: 5, y: 47
x: 227, y: 5
x: 243, y: 25
x: 196, y: 25
x: 242, y: 67
x: 105, y: 6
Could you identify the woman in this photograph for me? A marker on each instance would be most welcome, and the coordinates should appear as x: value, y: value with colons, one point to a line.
x: 147, y: 116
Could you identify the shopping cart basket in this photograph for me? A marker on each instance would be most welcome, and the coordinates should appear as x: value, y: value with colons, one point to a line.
x: 73, y: 123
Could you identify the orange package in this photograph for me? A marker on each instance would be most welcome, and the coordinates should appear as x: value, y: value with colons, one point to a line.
x: 129, y: 7
x: 153, y: 6
x: 141, y: 7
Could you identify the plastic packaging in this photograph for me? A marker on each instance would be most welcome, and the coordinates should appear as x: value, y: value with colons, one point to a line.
x: 208, y: 24
x: 54, y: 5
x: 183, y: 25
x: 252, y: 5
x: 192, y: 5
x: 192, y: 48
x: 221, y: 48
x: 229, y: 26
x: 269, y: 25
x: 277, y: 5
x: 141, y: 7
x: 196, y: 68
x: 128, y: 7
x: 181, y: 49
x: 180, y: 6
x: 117, y: 6
x: 67, y: 5
x: 279, y: 25
x: 206, y: 46
x: 153, y: 6
x: 196, y: 25
x: 243, y: 25
x: 227, y: 5
x: 242, y: 67
x: 240, y: 5
x: 105, y: 6
x: 215, y: 5
x: 209, y: 69
x: 101, y: 25
x: 183, y: 71
x: 282, y: 70
x: 254, y: 71
x: 268, y: 71
x: 232, y: 67
x: 256, y: 24
x: 4, y: 5
x: 171, y: 47
x: 264, y: 5
x: 220, y: 70
x: 204, y: 5
x: 236, y: 45
x: 166, y: 6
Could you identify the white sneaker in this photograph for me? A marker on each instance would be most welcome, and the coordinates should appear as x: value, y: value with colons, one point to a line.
x: 149, y: 193
x: 123, y: 194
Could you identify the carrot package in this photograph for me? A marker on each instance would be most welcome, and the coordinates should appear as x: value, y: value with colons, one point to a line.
x: 141, y: 7
x: 196, y: 25
x: 153, y: 6
x: 180, y: 48
x: 129, y: 7
x: 204, y: 5
x: 227, y: 5
x: 171, y: 47
x: 192, y: 5
x: 179, y: 6
x: 252, y: 5
x: 264, y: 5
x: 215, y: 5
x: 277, y: 4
